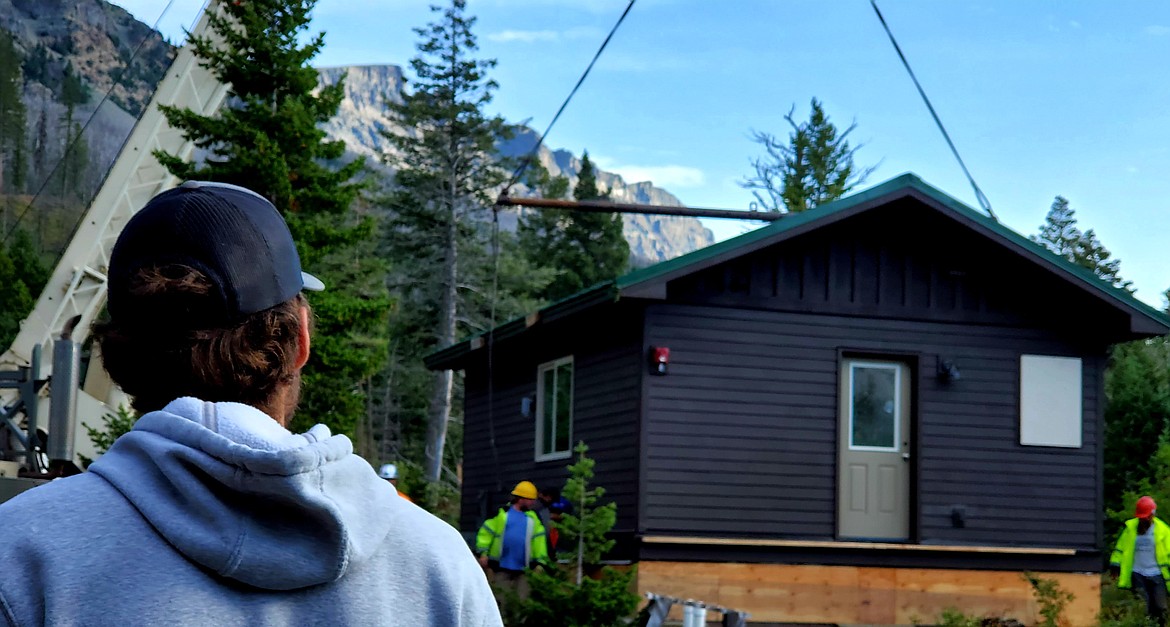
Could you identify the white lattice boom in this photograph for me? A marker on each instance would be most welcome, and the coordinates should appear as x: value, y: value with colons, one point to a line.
x: 77, y: 286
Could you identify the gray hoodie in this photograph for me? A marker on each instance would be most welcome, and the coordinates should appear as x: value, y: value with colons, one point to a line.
x: 213, y: 514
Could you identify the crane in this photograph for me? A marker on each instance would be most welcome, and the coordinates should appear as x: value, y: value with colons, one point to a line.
x: 72, y: 299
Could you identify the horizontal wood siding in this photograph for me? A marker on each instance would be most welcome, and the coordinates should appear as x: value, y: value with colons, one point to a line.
x: 606, y: 350
x: 741, y: 435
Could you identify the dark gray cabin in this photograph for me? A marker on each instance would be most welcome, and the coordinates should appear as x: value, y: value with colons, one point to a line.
x: 893, y: 367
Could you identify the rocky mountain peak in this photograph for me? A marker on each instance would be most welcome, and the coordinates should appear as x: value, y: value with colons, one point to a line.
x: 361, y: 120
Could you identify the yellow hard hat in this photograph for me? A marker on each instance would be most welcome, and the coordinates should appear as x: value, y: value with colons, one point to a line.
x: 524, y: 490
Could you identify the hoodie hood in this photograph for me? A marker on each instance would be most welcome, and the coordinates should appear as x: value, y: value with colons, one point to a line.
x: 238, y: 494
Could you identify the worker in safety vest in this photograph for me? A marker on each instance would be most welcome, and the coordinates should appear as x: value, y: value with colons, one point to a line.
x: 513, y: 541
x: 1141, y: 559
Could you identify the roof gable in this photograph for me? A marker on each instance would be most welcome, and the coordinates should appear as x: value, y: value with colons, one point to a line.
x: 651, y: 282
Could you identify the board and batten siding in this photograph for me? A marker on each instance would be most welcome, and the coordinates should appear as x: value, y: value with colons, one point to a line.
x: 740, y: 438
x: 606, y: 351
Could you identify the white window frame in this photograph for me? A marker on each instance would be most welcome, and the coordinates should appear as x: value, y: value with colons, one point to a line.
x: 1052, y: 411
x: 541, y: 456
x: 879, y: 365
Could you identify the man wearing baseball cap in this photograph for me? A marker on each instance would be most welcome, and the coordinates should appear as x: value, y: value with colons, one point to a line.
x: 1141, y: 558
x: 210, y: 512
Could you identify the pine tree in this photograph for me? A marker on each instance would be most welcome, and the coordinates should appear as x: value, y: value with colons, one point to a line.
x: 582, y: 248
x: 40, y: 153
x: 585, y: 594
x: 23, y: 275
x: 74, y: 150
x: 1092, y: 255
x: 270, y: 141
x: 447, y: 169
x: 1060, y: 234
x: 73, y: 164
x: 1137, y: 413
x: 584, y: 530
x: 813, y: 167
x: 12, y: 116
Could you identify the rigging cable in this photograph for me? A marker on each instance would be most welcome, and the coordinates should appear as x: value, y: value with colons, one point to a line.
x: 983, y: 202
x: 77, y: 138
x: 491, y: 345
x: 531, y: 153
x: 496, y: 246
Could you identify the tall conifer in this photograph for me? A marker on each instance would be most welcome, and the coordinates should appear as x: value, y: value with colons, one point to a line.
x: 268, y: 138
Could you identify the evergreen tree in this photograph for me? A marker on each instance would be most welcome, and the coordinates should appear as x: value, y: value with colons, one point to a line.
x: 447, y: 169
x: 584, y: 530
x: 17, y: 300
x: 40, y: 152
x: 36, y: 66
x: 22, y: 277
x: 813, y: 167
x: 583, y: 594
x: 1060, y: 234
x: 74, y: 161
x: 270, y: 142
x: 12, y: 116
x: 74, y: 151
x: 582, y: 248
x: 1137, y: 414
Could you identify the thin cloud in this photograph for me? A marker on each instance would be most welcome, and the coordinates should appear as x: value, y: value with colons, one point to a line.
x: 524, y: 36
x: 1158, y: 30
x: 1074, y: 24
x: 667, y: 176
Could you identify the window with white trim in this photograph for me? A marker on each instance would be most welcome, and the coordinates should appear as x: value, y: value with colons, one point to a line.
x: 1051, y: 389
x: 875, y: 407
x: 554, y: 409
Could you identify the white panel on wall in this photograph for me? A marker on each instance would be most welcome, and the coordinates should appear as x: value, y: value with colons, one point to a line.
x: 1050, y: 401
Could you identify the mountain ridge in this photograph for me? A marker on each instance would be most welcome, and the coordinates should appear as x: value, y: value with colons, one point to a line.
x: 361, y: 119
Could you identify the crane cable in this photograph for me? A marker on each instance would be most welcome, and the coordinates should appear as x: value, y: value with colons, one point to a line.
x: 496, y: 245
x: 983, y: 202
x: 77, y: 138
x: 540, y: 141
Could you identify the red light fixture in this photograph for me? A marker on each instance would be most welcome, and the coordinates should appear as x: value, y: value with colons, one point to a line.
x: 659, y: 359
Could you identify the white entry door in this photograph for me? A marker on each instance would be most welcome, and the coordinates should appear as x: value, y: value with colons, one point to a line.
x: 873, y: 489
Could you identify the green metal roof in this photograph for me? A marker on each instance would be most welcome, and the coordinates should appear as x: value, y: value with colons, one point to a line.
x: 790, y: 225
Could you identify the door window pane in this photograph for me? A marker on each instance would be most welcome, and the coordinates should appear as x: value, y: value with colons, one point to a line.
x: 874, y: 415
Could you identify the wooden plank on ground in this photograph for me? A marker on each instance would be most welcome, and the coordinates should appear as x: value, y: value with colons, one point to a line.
x: 788, y: 593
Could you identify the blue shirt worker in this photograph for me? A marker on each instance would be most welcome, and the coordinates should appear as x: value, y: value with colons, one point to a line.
x: 1141, y: 559
x: 513, y: 541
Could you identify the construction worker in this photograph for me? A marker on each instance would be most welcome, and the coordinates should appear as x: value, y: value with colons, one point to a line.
x: 210, y: 494
x: 389, y: 472
x: 513, y: 541
x: 1141, y: 559
x: 545, y: 497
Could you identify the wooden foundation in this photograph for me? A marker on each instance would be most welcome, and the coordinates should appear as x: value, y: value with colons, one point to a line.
x: 780, y: 593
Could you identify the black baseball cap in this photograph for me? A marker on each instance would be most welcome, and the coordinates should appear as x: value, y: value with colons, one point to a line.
x: 232, y: 234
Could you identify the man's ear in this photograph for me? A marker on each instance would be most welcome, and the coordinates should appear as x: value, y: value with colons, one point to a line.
x: 303, y: 341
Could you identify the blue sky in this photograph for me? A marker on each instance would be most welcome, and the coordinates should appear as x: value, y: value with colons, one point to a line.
x: 1042, y: 97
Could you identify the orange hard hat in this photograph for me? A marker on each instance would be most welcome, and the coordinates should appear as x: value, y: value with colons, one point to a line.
x: 1145, y: 507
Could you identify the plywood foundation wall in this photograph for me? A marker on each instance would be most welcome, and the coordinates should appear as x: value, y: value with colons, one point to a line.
x: 778, y: 593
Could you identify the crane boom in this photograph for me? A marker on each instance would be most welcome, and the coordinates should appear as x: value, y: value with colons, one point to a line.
x: 77, y: 286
